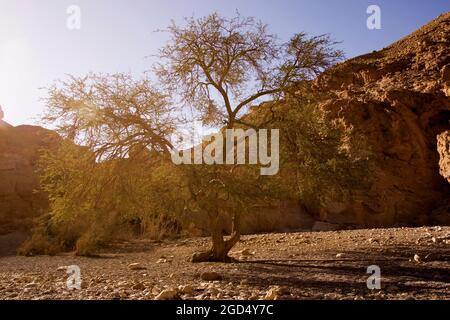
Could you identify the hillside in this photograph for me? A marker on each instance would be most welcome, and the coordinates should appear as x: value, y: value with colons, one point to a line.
x: 398, y: 99
x: 20, y: 148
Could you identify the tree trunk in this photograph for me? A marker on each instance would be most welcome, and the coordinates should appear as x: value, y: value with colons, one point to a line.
x: 220, y: 247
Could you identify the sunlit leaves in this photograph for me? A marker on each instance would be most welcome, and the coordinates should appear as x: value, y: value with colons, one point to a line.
x: 110, y: 114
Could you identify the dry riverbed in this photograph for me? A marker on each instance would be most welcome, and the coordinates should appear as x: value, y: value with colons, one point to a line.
x: 414, y: 264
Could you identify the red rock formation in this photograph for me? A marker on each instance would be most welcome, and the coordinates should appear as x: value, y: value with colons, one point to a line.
x: 444, y: 153
x: 398, y: 98
x: 19, y: 151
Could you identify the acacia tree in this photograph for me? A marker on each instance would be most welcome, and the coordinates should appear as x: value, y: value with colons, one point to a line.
x: 221, y: 67
x: 217, y: 65
x: 112, y: 115
x: 124, y: 127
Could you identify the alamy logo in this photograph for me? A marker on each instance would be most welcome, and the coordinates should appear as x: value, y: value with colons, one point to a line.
x: 73, y: 21
x: 232, y: 146
x: 374, y: 281
x: 374, y: 20
x: 74, y: 280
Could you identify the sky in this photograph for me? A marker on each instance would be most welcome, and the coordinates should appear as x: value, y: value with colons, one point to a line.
x: 37, y: 47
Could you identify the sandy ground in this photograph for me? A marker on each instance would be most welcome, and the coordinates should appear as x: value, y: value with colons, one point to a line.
x: 414, y: 264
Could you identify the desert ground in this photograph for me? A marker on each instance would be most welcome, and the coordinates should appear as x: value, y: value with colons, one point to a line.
x: 414, y: 263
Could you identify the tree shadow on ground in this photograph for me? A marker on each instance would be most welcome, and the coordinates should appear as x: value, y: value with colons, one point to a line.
x: 350, y: 273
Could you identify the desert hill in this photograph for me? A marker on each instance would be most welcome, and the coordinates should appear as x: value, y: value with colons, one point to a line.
x: 399, y: 99
x: 20, y: 148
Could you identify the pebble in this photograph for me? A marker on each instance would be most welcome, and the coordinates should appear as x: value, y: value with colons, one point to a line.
x: 275, y: 292
x: 168, y: 294
x: 246, y: 252
x: 210, y: 276
x: 31, y: 285
x: 136, y: 266
x: 186, y: 289
x: 138, y: 286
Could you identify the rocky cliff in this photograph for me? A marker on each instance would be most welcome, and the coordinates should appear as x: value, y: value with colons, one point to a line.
x: 399, y: 98
x: 19, y: 152
x: 444, y: 154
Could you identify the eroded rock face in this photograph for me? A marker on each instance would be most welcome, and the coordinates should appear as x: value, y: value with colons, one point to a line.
x: 399, y: 99
x: 19, y: 152
x: 443, y: 146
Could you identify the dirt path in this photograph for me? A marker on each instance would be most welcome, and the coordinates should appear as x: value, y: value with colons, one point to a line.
x: 325, y: 265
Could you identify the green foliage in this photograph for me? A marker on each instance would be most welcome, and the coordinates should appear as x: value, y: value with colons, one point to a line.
x: 320, y: 158
x: 92, y: 203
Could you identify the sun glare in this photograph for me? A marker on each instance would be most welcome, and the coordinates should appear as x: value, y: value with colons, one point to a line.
x: 15, y: 66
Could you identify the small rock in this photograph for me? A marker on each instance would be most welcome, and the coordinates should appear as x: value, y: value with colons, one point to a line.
x: 168, y: 294
x: 161, y: 260
x: 417, y: 258
x: 246, y: 252
x: 138, y: 286
x: 155, y: 291
x: 271, y: 295
x: 274, y: 293
x: 210, y: 276
x: 340, y: 255
x: 213, y: 291
x: 186, y: 289
x: 136, y: 266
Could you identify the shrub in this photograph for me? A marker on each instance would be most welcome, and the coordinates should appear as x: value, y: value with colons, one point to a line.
x: 92, y: 203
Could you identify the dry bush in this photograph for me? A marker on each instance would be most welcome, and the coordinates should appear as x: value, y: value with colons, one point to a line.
x: 38, y: 244
x: 94, y: 203
x: 160, y: 226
